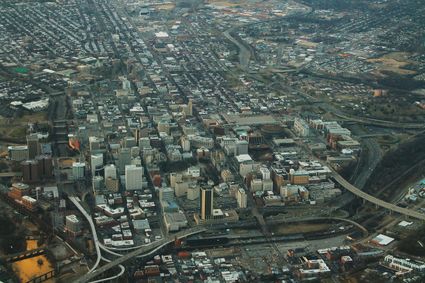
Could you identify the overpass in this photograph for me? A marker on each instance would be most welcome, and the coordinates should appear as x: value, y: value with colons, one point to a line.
x: 143, y: 251
x: 24, y: 255
x: 43, y: 277
x: 392, y: 207
x: 76, y: 202
x: 10, y: 174
x: 381, y: 123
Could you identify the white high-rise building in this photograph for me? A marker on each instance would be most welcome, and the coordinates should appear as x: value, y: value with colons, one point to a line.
x: 265, y: 173
x: 78, y: 170
x: 96, y: 162
x: 133, y: 177
x: 110, y: 172
x: 72, y: 224
x: 241, y: 198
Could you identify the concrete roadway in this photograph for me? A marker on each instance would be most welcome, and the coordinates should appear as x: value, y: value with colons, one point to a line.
x: 76, y: 202
x: 139, y: 252
x: 374, y: 200
x: 380, y: 123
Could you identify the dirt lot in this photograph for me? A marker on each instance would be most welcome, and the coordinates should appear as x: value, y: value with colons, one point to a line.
x: 16, y: 128
x: 286, y: 229
x: 394, y: 62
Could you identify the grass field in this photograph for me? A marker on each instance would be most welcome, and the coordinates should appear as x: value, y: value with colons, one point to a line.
x: 394, y: 62
x: 17, y: 128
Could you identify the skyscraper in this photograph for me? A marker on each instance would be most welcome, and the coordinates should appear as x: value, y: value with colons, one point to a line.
x: 206, y: 203
x: 33, y: 146
x: 110, y: 171
x: 124, y: 158
x: 30, y: 171
x: 78, y: 170
x: 133, y: 177
x: 241, y: 198
x: 96, y: 162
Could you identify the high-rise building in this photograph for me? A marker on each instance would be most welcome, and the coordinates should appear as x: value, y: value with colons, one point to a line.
x: 98, y: 184
x: 110, y: 171
x: 242, y: 147
x: 190, y: 107
x: 193, y: 192
x: 45, y: 165
x: 137, y: 135
x: 30, y: 171
x: 124, y: 158
x: 133, y: 177
x: 129, y: 142
x: 144, y: 142
x: 33, y: 146
x: 166, y: 194
x: 18, y: 152
x: 78, y: 170
x: 265, y: 173
x: 206, y: 203
x: 72, y: 224
x: 241, y: 198
x: 96, y: 163
x: 29, y: 203
x: 94, y: 143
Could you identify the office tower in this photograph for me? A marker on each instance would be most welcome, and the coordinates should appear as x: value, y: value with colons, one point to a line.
x: 137, y: 135
x: 78, y: 170
x: 241, y: 147
x: 45, y: 165
x: 124, y: 158
x: 206, y: 203
x: 94, y: 143
x: 190, y: 107
x: 241, y: 198
x: 129, y: 142
x: 110, y: 171
x: 98, y: 184
x: 33, y: 146
x: 96, y: 163
x: 18, y: 152
x: 72, y: 224
x: 144, y: 142
x: 30, y: 171
x: 133, y: 177
x: 166, y: 194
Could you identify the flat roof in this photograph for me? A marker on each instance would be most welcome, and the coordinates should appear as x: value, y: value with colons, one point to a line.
x: 243, y: 158
x: 383, y: 240
x: 249, y: 120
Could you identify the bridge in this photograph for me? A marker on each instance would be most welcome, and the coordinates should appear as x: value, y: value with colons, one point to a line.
x: 381, y: 123
x: 143, y: 251
x: 392, y: 207
x: 76, y: 202
x: 24, y: 255
x: 43, y: 277
x: 10, y: 174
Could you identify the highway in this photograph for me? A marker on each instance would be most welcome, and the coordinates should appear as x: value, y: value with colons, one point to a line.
x: 76, y: 202
x: 146, y: 250
x: 380, y: 123
x: 10, y: 174
x: 374, y: 200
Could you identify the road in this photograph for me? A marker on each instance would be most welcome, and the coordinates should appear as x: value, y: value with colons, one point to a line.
x: 353, y: 189
x: 76, y: 202
x: 374, y: 156
x: 244, y: 52
x: 146, y: 250
x: 379, y: 123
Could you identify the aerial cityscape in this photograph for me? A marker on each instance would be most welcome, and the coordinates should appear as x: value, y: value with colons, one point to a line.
x: 212, y: 141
